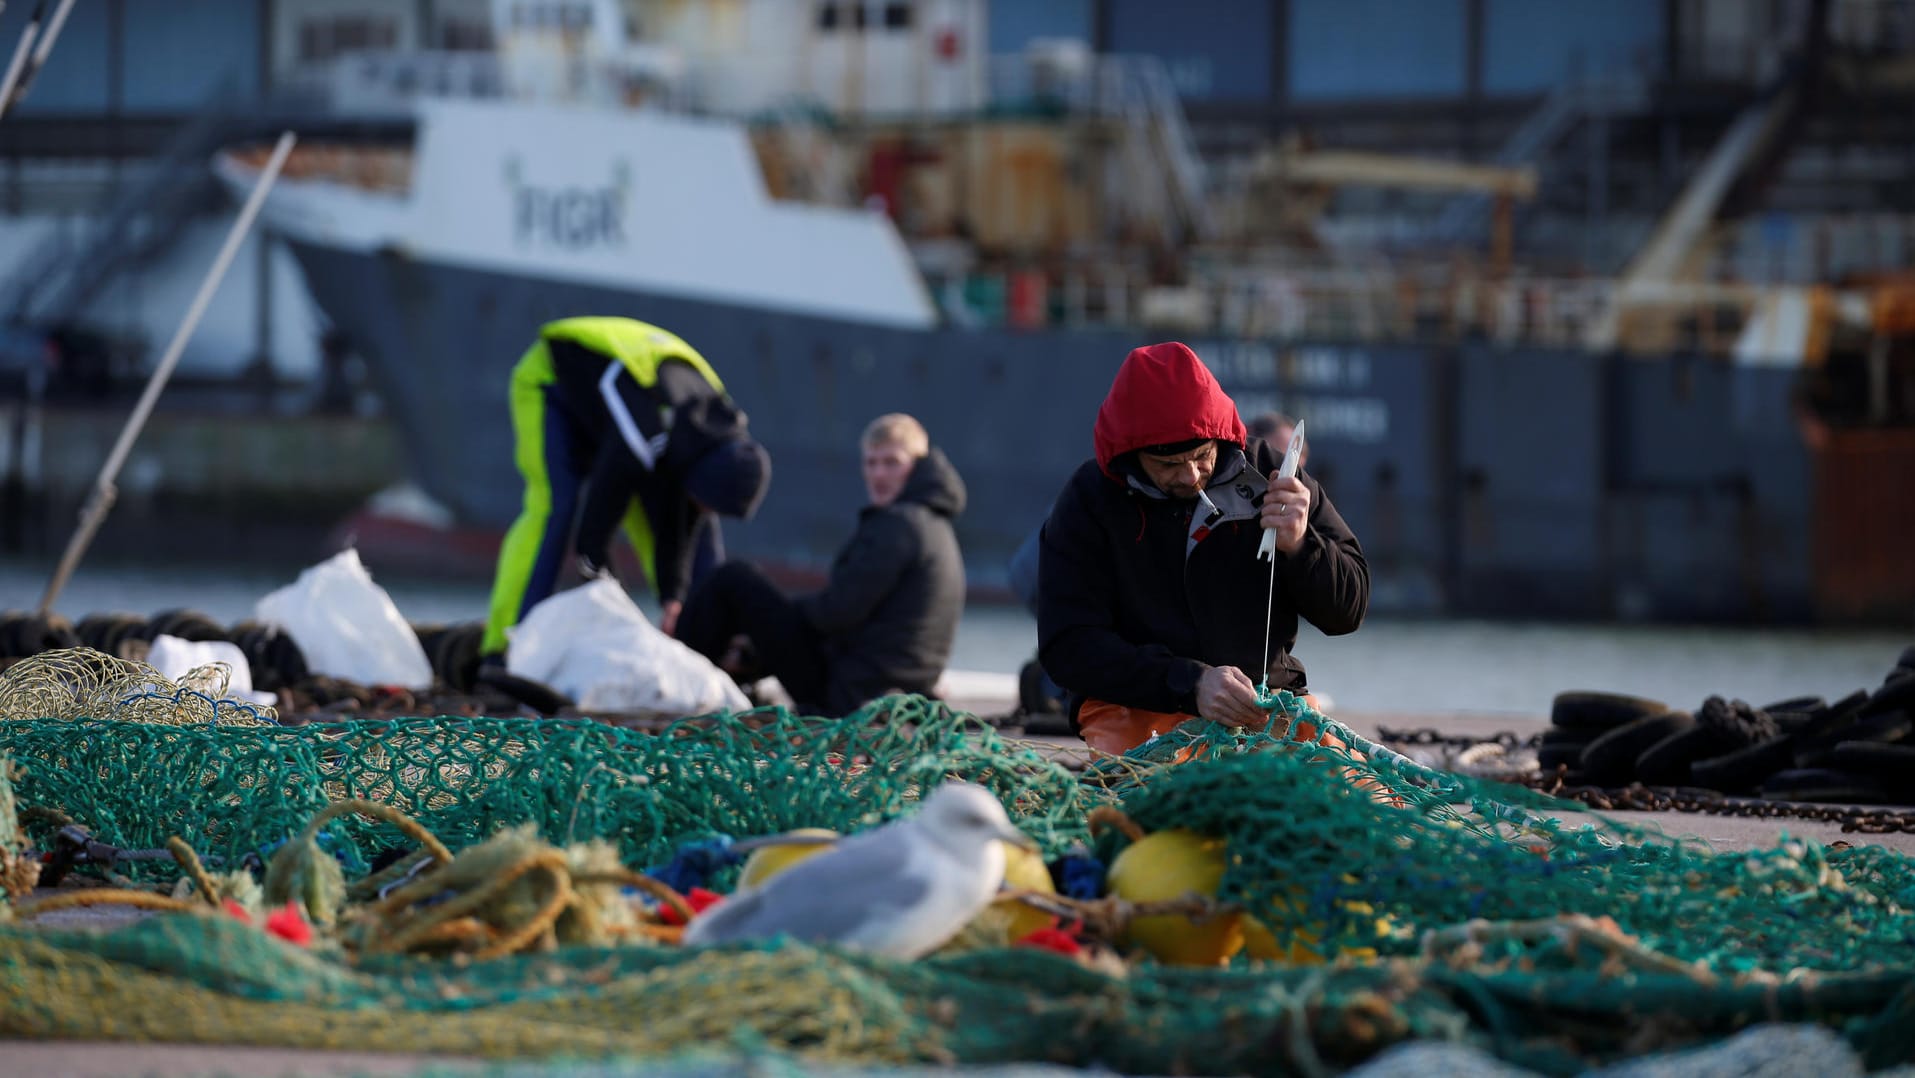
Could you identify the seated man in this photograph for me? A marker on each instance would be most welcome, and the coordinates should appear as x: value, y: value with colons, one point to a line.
x: 887, y: 619
x: 1151, y: 598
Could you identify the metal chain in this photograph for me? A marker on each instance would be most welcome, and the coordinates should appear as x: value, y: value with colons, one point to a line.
x: 1639, y: 798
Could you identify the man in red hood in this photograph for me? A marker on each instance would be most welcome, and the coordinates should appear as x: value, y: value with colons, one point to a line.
x: 1151, y: 598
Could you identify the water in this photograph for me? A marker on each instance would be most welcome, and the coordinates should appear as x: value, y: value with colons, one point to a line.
x: 1403, y: 667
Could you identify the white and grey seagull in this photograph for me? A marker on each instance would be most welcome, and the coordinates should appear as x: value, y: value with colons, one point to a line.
x: 902, y: 890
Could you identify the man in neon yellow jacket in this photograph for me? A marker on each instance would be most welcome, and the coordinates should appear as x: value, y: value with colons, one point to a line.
x: 618, y: 421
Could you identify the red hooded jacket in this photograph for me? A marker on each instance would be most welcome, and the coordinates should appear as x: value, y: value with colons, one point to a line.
x: 1133, y: 602
x: 1162, y: 394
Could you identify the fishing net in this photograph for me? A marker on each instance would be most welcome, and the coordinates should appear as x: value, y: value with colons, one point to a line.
x: 1405, y: 904
x: 74, y: 683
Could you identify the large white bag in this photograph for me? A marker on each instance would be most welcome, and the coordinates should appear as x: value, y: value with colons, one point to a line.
x: 594, y: 644
x: 175, y: 658
x: 347, y: 626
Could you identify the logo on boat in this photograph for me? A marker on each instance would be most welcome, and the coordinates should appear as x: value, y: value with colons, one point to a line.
x: 572, y: 217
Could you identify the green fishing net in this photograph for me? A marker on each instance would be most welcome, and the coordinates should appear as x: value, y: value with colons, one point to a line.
x: 1450, y: 908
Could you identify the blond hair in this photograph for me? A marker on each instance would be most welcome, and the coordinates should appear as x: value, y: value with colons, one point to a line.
x: 899, y: 430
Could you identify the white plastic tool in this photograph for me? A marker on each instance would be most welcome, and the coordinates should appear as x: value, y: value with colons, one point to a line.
x: 1267, y: 550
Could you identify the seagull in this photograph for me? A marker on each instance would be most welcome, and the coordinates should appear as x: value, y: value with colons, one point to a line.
x: 900, y: 890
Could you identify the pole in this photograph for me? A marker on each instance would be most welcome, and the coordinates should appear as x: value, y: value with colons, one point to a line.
x: 53, y: 30
x: 16, y: 91
x: 19, y: 62
x: 101, y: 500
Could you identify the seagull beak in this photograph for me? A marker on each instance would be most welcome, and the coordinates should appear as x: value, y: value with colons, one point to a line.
x: 1018, y: 838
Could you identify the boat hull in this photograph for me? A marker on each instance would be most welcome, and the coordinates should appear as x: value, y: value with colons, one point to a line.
x: 1480, y: 480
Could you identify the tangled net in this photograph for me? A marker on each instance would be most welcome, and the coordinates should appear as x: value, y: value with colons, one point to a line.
x: 1462, y: 909
x: 80, y: 683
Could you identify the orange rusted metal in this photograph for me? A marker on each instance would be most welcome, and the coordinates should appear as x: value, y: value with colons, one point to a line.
x: 1865, y: 524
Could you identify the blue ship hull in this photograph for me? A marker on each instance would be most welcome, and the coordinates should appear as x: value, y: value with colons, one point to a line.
x: 1480, y: 480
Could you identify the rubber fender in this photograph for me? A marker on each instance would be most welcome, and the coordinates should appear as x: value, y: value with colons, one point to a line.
x: 1892, y: 762
x: 1837, y: 713
x: 1030, y: 691
x: 1667, y: 762
x: 60, y: 632
x: 1744, y: 769
x: 538, y: 696
x: 1826, y: 784
x: 1611, y: 758
x: 1600, y: 710
x: 1555, y: 735
x: 1897, y: 695
x: 1882, y: 729
x: 462, y: 656
x: 93, y: 629
x: 1739, y: 724
x: 12, y: 644
x: 1794, y: 704
x: 187, y: 625
x: 1550, y: 757
x: 286, y: 659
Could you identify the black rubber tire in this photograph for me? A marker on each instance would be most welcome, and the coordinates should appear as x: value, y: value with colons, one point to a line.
x: 286, y: 659
x: 93, y: 629
x: 1551, y: 757
x: 1897, y: 695
x: 1031, y: 697
x: 1742, y: 770
x: 1836, y: 715
x: 1906, y: 661
x: 1610, y: 760
x: 1827, y: 785
x: 540, y: 697
x: 1890, y: 762
x: 192, y: 625
x: 1880, y: 729
x: 1600, y: 711
x: 13, y: 643
x: 1794, y: 704
x: 1554, y: 735
x: 462, y: 658
x: 1667, y: 762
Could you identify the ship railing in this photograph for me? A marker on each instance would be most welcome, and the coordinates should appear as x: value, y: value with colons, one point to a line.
x: 1369, y: 305
x: 384, y: 81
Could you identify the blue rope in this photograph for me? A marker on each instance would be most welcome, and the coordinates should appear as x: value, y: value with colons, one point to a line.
x: 696, y: 863
x: 1082, y: 876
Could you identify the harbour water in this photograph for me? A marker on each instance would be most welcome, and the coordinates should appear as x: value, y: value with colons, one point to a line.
x: 1399, y: 667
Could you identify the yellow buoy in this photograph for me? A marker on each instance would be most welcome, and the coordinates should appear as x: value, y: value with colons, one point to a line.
x: 1305, y: 948
x: 767, y: 861
x: 1169, y: 865
x: 1025, y: 869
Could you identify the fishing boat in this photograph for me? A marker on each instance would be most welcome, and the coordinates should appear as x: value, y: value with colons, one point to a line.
x: 851, y: 217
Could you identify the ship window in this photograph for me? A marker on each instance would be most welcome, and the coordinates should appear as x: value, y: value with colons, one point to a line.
x: 897, y: 16
x: 324, y: 38
x: 465, y: 35
x: 827, y: 16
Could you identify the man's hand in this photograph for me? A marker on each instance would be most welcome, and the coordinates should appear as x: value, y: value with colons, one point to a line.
x: 668, y: 616
x: 1225, y: 695
x: 1286, y: 511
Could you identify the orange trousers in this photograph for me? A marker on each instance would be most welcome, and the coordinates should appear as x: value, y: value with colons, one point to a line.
x: 1115, y: 729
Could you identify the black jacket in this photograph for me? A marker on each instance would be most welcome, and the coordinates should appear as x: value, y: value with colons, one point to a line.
x: 890, y: 612
x: 1125, y: 617
x: 701, y: 417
